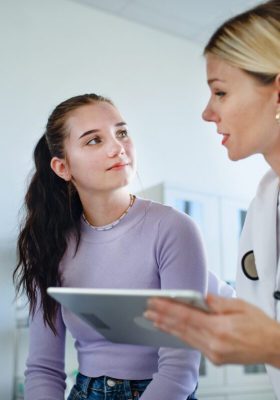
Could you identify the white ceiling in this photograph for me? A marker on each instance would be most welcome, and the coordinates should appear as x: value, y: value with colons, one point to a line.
x: 191, y: 19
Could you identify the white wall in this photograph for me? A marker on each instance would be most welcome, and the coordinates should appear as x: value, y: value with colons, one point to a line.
x: 54, y: 49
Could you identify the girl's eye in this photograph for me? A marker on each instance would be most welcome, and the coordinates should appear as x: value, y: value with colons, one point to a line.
x: 95, y: 140
x: 122, y: 134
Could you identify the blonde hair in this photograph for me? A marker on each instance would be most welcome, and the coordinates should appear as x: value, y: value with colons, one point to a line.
x: 251, y: 41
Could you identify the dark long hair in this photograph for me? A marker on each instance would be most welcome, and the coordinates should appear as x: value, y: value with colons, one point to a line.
x: 53, y: 211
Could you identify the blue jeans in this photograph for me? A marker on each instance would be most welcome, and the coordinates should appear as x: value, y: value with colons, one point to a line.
x: 106, y: 388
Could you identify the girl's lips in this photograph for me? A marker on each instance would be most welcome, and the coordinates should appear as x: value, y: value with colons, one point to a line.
x: 117, y: 166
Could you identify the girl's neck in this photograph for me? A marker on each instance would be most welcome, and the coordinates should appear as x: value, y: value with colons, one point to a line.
x: 104, y: 208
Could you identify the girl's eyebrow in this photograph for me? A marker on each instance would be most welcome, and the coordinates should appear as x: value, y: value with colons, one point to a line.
x: 88, y: 132
x: 97, y: 130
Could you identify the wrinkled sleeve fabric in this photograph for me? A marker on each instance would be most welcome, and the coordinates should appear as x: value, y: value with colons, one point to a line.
x: 182, y: 265
x: 44, y: 375
x: 219, y: 287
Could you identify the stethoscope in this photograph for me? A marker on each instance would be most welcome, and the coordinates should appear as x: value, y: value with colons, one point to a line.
x: 249, y: 269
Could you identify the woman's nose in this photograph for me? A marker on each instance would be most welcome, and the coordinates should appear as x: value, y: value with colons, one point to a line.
x: 209, y: 115
x: 205, y: 115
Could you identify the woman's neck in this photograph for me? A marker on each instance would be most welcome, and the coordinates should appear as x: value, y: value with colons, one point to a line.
x: 103, y: 208
x: 273, y: 159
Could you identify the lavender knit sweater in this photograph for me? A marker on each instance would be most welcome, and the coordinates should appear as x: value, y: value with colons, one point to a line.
x: 154, y: 246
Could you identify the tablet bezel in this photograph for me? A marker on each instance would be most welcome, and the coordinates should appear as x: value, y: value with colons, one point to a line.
x: 117, y: 314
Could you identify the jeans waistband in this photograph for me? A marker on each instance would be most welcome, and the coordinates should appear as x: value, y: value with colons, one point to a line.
x: 109, y: 384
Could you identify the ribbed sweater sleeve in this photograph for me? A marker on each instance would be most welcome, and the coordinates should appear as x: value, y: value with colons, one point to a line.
x: 44, y: 376
x: 182, y: 265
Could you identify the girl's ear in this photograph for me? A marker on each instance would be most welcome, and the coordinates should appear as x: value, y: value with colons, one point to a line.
x: 60, y: 168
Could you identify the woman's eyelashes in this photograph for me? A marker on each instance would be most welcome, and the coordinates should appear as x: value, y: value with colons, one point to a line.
x: 220, y: 93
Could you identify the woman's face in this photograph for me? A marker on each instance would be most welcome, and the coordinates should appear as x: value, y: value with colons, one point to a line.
x: 243, y: 110
x: 99, y: 152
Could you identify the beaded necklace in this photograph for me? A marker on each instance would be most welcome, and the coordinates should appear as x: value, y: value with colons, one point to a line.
x: 110, y: 226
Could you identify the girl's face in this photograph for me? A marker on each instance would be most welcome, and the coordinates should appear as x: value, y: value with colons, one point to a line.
x: 243, y: 110
x: 99, y: 152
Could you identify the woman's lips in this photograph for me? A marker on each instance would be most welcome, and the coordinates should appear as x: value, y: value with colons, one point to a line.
x: 225, y: 138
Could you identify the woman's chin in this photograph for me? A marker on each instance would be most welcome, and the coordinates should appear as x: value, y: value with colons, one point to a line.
x: 236, y: 156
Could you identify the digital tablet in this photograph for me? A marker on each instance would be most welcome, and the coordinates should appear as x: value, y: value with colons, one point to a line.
x: 117, y: 314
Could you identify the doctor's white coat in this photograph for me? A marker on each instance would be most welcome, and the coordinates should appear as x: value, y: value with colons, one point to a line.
x: 259, y: 239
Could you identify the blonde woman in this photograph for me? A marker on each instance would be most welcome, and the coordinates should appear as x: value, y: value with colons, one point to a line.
x: 243, y: 73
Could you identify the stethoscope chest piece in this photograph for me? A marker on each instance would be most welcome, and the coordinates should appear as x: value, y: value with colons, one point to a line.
x: 248, y: 265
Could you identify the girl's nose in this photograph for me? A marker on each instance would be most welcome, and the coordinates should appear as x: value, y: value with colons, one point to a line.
x: 115, y: 148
